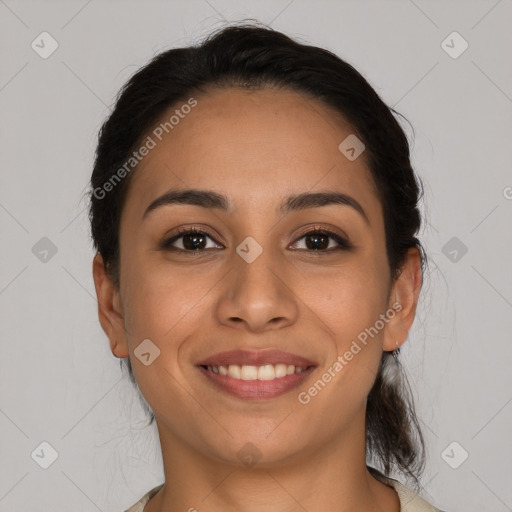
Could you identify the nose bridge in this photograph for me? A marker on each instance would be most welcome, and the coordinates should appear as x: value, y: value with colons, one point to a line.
x: 258, y: 267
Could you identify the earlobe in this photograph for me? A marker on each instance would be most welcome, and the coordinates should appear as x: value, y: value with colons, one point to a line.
x: 404, y: 299
x: 109, y: 308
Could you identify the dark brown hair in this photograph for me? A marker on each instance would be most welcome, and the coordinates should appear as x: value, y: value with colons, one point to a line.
x: 251, y: 55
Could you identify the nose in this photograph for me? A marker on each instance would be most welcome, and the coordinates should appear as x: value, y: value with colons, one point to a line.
x: 258, y: 295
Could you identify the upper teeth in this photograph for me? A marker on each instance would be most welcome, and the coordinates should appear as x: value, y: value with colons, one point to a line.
x: 265, y: 372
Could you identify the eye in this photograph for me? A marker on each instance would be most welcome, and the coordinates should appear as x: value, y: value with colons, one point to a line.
x: 192, y: 240
x: 317, y: 240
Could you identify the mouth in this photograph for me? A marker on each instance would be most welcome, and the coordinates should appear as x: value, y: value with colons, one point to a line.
x: 258, y: 374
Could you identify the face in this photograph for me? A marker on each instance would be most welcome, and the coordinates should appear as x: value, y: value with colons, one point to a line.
x: 262, y: 274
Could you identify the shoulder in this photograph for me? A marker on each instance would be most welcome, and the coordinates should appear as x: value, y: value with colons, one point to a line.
x: 410, y: 501
x: 139, y: 506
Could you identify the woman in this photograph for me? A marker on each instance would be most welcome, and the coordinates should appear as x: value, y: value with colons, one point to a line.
x: 254, y: 212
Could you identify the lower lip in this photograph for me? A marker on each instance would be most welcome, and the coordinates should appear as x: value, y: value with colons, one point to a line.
x: 257, y: 389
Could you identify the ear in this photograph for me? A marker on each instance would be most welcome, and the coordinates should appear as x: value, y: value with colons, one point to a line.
x: 110, y: 311
x: 403, y: 299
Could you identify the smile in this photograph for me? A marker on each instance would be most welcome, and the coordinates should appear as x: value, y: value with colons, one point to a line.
x: 256, y: 382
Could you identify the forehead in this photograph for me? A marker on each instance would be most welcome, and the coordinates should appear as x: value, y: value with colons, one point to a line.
x: 255, y: 145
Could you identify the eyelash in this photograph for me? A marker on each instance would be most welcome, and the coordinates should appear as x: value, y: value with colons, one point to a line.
x: 166, y: 245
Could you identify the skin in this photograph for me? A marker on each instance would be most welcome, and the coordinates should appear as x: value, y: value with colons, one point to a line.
x: 257, y: 147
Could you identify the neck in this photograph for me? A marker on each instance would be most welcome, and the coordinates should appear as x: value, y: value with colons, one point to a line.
x: 329, y: 477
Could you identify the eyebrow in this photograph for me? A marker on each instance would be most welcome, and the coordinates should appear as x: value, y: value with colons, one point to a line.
x: 211, y: 199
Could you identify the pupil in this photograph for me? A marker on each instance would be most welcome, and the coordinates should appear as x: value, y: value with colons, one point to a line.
x: 316, y: 238
x: 191, y: 239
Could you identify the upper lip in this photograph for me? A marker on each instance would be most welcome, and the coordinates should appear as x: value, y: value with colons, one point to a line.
x: 255, y: 358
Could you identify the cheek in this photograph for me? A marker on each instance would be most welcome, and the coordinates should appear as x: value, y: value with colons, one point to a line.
x: 351, y: 303
x: 351, y: 309
x: 163, y: 307
x: 349, y: 299
x: 161, y: 301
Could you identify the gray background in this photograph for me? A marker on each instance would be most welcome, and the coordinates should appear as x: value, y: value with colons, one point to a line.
x: 60, y: 383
